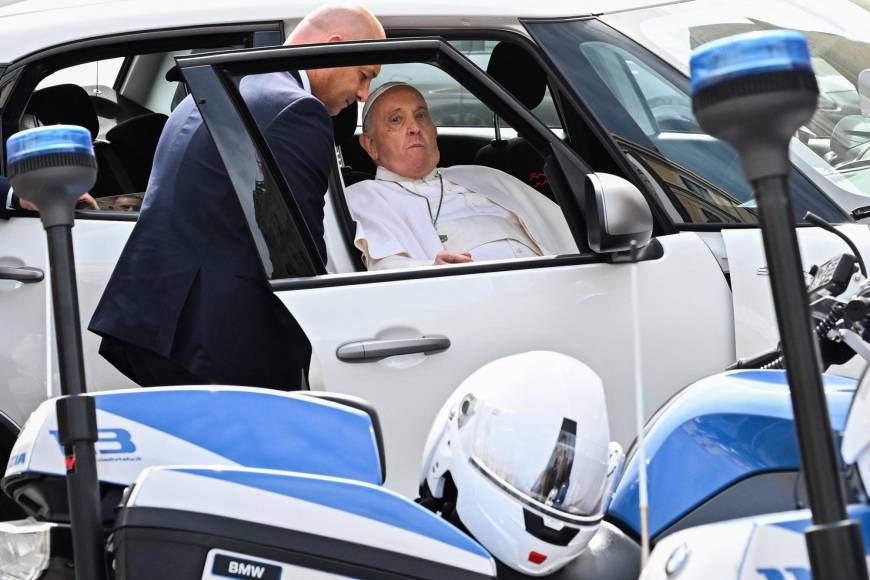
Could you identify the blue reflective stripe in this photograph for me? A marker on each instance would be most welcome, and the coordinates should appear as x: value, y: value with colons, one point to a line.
x: 367, y: 501
x: 753, y: 53
x: 859, y: 513
x: 257, y: 429
x: 715, y: 433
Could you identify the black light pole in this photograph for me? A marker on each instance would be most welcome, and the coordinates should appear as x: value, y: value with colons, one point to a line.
x: 754, y: 91
x: 52, y: 167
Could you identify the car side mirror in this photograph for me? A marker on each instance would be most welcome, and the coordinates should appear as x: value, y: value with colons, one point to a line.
x: 616, y: 214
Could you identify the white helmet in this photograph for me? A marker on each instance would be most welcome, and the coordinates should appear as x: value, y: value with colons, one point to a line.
x: 524, y: 440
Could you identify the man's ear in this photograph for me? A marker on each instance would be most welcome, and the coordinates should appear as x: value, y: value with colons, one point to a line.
x: 335, y: 38
x: 367, y: 143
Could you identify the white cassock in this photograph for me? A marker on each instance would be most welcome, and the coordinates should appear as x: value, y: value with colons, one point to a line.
x: 484, y: 211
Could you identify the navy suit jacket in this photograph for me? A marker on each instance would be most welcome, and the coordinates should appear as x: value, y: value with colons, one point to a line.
x: 189, y: 285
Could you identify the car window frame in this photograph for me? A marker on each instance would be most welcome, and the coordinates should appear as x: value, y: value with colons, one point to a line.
x: 225, y: 69
x: 609, y: 34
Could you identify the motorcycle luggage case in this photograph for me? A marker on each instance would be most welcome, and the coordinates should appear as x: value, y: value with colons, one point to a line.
x: 183, y: 523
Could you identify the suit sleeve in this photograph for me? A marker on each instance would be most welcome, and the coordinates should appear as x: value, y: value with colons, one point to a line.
x: 301, y: 139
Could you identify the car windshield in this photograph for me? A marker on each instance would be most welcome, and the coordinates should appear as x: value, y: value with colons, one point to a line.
x: 835, y: 144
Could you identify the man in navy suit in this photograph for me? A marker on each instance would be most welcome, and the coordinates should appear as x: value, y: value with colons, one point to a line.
x: 188, y: 302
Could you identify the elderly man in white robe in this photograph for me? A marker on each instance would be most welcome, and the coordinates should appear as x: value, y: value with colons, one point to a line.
x: 414, y: 214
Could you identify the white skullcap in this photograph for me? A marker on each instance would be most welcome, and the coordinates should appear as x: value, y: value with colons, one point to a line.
x: 373, y: 96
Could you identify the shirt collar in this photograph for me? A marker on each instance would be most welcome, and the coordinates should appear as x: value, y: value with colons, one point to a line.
x: 385, y: 174
x: 306, y: 84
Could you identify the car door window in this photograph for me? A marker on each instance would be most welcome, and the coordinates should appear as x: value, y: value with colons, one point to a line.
x: 646, y: 107
x: 97, y: 75
x: 570, y: 221
x: 124, y: 101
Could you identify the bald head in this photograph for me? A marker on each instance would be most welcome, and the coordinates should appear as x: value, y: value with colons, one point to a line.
x: 336, y: 22
x: 337, y: 88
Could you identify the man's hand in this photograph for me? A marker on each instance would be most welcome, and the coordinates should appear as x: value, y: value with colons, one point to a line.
x: 442, y: 258
x: 86, y: 201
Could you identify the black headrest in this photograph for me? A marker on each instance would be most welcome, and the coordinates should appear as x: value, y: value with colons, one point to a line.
x: 515, y: 69
x: 144, y: 129
x: 173, y: 75
x: 344, y: 124
x: 65, y: 105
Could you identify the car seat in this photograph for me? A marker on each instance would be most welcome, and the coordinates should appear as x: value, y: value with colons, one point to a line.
x: 514, y: 69
x: 66, y: 104
x: 123, y: 159
x: 134, y: 142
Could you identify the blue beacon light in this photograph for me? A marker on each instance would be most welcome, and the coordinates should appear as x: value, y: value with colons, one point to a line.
x: 753, y: 53
x: 52, y: 167
x: 754, y: 91
x: 55, y: 139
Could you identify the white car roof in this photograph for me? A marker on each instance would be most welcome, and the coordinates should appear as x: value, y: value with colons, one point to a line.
x: 30, y: 25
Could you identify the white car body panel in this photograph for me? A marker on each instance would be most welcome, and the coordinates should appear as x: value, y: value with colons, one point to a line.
x: 754, y: 317
x: 25, y: 311
x: 97, y: 246
x: 23, y: 336
x: 583, y: 311
x: 27, y: 25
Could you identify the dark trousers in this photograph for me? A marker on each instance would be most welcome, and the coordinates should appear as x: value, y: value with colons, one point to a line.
x: 146, y: 368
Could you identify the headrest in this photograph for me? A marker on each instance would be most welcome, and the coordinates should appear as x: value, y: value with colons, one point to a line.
x: 144, y: 129
x: 66, y: 105
x: 515, y: 69
x: 344, y: 124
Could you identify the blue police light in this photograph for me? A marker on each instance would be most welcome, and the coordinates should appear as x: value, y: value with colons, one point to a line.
x: 754, y: 91
x: 54, y: 139
x: 753, y: 53
x: 51, y: 167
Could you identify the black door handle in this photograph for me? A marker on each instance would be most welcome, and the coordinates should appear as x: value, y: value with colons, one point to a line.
x: 24, y: 274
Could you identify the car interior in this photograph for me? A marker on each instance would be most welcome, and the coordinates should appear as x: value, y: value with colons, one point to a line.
x: 125, y: 131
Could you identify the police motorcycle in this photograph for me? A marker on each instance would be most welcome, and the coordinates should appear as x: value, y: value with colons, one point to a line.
x: 766, y: 78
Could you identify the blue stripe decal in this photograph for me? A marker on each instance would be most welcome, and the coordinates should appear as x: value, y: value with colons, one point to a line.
x: 259, y: 429
x: 367, y: 501
x: 859, y: 513
x: 715, y: 433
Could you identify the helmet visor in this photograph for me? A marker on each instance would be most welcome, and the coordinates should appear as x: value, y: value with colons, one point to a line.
x: 552, y: 469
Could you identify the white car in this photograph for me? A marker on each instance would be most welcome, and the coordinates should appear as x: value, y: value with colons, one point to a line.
x: 617, y: 102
